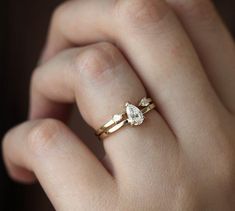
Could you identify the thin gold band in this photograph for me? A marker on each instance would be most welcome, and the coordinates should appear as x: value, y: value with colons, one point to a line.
x: 107, y: 132
x: 128, y: 117
x: 118, y: 118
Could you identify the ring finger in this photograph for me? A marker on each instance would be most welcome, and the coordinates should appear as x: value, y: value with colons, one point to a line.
x: 100, y: 81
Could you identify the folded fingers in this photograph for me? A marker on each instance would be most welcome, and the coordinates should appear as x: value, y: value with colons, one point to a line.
x: 68, y: 172
x: 157, y: 46
x: 100, y: 81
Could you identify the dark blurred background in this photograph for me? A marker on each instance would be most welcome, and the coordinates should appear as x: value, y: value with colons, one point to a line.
x: 24, y: 26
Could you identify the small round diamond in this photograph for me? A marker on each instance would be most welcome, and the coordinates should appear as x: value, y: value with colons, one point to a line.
x: 117, y: 118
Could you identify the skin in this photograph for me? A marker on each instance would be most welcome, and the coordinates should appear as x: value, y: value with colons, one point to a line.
x: 182, y: 157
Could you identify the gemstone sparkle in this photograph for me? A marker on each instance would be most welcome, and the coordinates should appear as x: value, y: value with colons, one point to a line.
x: 117, y: 118
x: 145, y: 102
x: 134, y: 114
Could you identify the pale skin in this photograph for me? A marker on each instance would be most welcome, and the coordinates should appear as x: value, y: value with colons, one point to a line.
x: 180, y: 54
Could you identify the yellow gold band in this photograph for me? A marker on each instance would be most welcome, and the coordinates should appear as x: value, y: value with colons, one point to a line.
x: 112, y: 129
x: 133, y: 115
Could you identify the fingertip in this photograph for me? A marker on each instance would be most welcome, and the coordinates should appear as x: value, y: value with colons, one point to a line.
x: 20, y: 175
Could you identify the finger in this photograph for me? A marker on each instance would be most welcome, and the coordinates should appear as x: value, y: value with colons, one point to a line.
x: 57, y: 157
x: 213, y: 43
x: 157, y: 47
x: 101, y: 81
x: 19, y: 174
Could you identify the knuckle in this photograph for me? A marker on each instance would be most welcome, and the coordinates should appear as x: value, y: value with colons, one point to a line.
x: 98, y: 59
x: 43, y: 135
x: 140, y: 13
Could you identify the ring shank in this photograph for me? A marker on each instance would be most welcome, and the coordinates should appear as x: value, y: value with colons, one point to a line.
x: 111, y: 126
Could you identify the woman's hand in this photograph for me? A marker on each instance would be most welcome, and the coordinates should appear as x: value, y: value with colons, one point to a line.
x: 182, y: 157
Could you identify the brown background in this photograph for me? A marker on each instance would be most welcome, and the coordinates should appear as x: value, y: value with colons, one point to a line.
x: 24, y: 25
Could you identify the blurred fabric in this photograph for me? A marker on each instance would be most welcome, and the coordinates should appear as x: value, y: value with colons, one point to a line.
x: 24, y: 26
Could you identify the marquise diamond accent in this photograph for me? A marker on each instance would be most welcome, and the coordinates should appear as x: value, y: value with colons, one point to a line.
x: 134, y: 114
x: 145, y: 102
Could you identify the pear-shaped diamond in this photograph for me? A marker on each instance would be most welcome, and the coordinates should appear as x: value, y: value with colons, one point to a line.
x: 134, y: 114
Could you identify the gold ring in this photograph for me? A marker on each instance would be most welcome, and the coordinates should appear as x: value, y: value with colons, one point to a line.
x: 133, y: 115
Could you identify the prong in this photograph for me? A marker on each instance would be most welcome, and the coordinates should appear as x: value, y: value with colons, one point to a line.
x: 130, y: 122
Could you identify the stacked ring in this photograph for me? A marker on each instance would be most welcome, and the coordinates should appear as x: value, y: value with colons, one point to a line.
x: 133, y: 115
